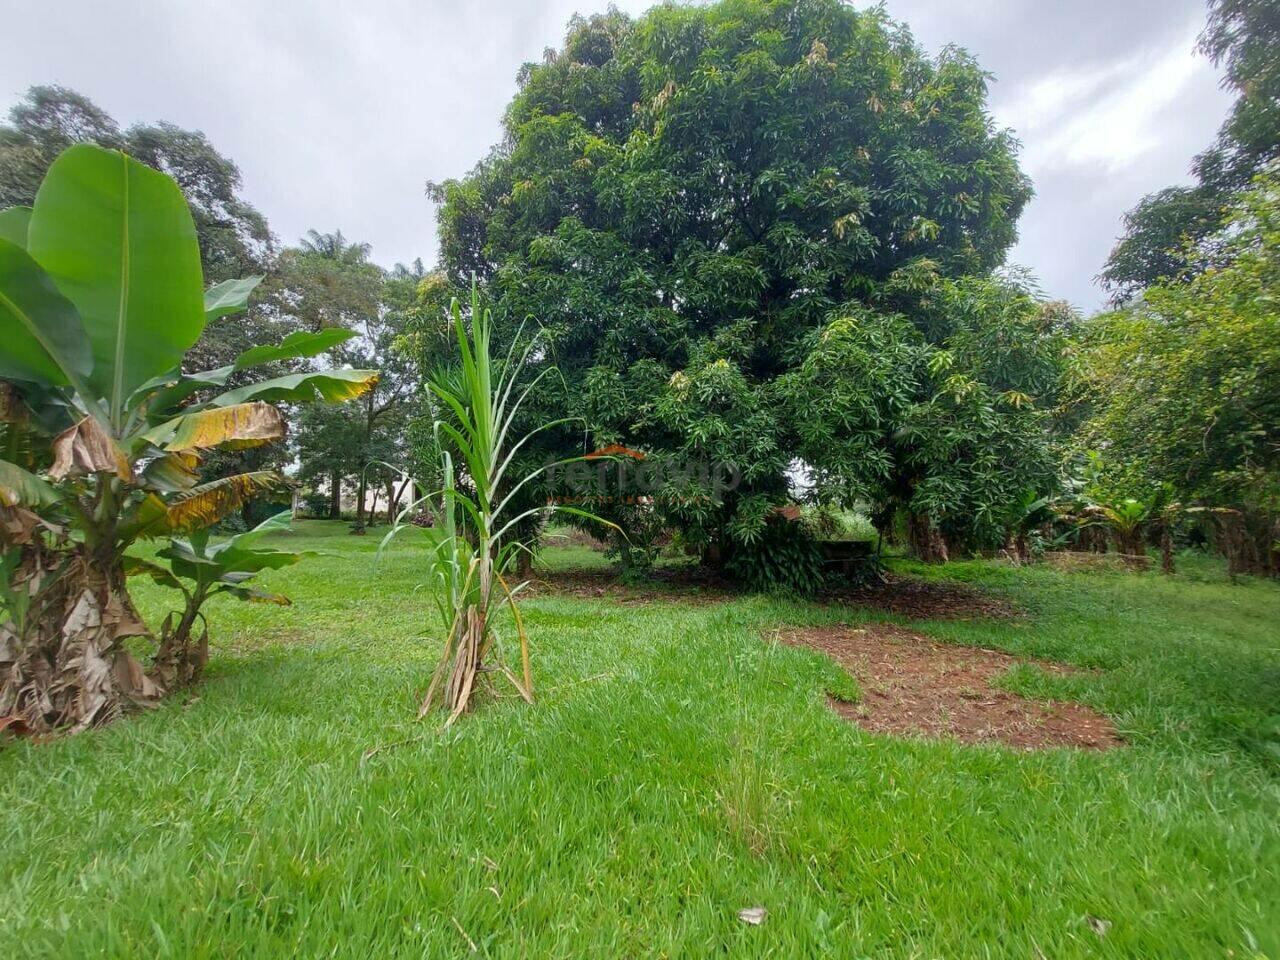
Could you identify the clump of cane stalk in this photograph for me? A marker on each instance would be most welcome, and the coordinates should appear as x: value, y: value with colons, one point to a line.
x: 471, y: 543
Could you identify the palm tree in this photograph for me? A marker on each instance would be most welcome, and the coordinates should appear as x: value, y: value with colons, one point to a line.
x: 334, y: 246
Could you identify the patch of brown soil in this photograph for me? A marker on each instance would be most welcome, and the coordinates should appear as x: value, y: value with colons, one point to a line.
x: 927, y: 599
x: 914, y: 686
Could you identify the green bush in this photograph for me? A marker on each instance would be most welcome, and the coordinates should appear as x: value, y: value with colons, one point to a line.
x: 786, y: 559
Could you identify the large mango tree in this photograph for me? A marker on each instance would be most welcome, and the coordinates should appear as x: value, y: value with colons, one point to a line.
x: 101, y: 296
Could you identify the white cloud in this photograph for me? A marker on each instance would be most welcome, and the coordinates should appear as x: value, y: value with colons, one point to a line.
x: 1106, y: 117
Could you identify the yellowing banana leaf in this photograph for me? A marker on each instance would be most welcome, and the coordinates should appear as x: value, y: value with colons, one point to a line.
x: 149, y: 519
x: 88, y: 448
x: 19, y: 487
x: 234, y: 427
x: 331, y: 386
x: 208, y: 503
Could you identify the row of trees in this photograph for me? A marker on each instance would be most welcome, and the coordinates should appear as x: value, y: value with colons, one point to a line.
x: 763, y: 238
x: 1178, y: 387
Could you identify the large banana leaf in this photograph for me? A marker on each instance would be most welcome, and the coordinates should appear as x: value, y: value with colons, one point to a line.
x: 166, y: 399
x: 235, y: 427
x: 296, y: 345
x: 41, y: 337
x: 13, y: 225
x: 229, y: 296
x: 331, y: 386
x: 299, y: 344
x: 208, y: 503
x: 118, y: 240
x: 172, y: 472
x: 139, y: 566
x: 227, y: 564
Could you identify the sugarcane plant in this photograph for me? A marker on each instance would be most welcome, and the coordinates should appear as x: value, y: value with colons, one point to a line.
x: 472, y: 544
x: 101, y: 296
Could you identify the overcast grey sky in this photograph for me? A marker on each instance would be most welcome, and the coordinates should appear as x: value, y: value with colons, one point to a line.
x: 337, y: 111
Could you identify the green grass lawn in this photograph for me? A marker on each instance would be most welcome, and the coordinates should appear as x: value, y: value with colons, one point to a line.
x: 676, y: 768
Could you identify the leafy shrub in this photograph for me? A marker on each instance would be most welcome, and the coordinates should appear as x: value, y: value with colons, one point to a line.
x: 786, y: 559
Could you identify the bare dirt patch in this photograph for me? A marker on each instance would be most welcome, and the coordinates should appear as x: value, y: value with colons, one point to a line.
x: 914, y: 686
x: 927, y: 599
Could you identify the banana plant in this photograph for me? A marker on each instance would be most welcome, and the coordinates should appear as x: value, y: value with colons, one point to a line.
x: 1128, y: 520
x: 202, y: 568
x: 101, y: 296
x: 1026, y: 513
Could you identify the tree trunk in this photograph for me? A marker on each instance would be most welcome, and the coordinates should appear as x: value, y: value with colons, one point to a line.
x: 360, y: 501
x: 1166, y: 548
x: 1092, y: 539
x: 405, y: 484
x: 335, y: 496
x: 925, y: 540
x: 64, y: 665
x: 1017, y: 547
x: 392, y: 501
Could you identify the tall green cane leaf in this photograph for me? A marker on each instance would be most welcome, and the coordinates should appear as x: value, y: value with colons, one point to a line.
x: 41, y: 337
x: 118, y: 240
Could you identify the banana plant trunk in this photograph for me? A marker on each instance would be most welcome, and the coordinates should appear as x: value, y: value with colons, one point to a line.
x: 64, y: 664
x: 180, y: 655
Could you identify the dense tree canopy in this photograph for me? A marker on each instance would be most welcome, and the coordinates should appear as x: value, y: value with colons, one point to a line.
x: 1243, y: 38
x: 1183, y: 390
x: 234, y: 237
x: 763, y: 231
